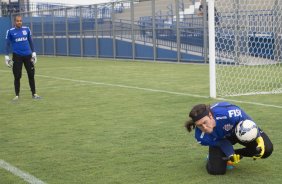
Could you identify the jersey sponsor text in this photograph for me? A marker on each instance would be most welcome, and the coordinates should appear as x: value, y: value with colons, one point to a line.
x: 235, y: 113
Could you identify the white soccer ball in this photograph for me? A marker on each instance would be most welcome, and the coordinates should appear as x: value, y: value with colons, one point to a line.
x: 246, y: 131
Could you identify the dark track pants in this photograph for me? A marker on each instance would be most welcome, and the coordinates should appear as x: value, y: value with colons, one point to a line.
x: 216, y: 165
x: 17, y: 71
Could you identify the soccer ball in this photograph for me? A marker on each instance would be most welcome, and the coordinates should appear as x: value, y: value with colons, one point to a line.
x: 246, y: 131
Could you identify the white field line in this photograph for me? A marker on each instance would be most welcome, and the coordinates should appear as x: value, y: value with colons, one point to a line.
x: 122, y: 86
x: 24, y: 175
x: 42, y: 88
x: 156, y: 90
x: 252, y: 103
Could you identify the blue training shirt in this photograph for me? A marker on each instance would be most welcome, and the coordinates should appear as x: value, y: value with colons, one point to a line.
x: 226, y: 116
x: 21, y: 41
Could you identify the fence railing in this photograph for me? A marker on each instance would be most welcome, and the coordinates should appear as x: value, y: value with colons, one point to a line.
x: 111, y: 21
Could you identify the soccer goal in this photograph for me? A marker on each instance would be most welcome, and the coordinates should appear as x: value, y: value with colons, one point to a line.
x: 245, y: 47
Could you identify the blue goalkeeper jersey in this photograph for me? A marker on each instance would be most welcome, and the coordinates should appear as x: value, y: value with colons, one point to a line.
x: 226, y: 116
x: 21, y: 41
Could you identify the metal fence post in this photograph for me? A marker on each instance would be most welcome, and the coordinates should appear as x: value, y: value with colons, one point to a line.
x: 31, y: 24
x: 277, y: 31
x: 42, y: 34
x: 205, y: 20
x: 113, y: 30
x: 178, y: 46
x: 67, y: 31
x: 11, y: 20
x: 132, y: 29
x: 54, y: 34
x: 81, y: 32
x: 236, y: 32
x: 154, y: 30
x: 96, y: 31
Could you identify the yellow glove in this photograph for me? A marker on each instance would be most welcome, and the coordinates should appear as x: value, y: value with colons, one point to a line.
x: 235, y: 158
x: 260, y: 147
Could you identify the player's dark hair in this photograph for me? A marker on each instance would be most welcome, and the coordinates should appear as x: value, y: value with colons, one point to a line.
x: 15, y: 16
x: 190, y: 125
x: 197, y: 112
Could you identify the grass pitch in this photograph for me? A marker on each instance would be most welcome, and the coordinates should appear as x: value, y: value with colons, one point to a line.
x: 103, y: 121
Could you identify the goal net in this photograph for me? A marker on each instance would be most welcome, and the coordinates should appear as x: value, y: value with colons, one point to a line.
x: 247, y: 47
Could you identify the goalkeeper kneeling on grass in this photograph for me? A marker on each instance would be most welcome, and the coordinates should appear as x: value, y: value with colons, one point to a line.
x: 222, y: 125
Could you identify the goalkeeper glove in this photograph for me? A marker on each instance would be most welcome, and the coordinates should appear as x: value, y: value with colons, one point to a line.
x: 33, y: 58
x: 235, y: 158
x: 260, y: 147
x: 8, y: 62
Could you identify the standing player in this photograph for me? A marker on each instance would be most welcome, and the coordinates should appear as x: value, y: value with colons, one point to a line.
x: 215, y: 127
x: 201, y: 12
x: 23, y: 53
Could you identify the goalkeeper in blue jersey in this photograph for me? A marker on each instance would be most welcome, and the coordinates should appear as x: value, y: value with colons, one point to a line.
x: 215, y: 127
x: 23, y: 54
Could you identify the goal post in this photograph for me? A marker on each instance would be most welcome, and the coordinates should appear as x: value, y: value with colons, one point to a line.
x: 212, y: 70
x: 245, y: 46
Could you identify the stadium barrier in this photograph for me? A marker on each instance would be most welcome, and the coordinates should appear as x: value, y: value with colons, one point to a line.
x: 101, y: 31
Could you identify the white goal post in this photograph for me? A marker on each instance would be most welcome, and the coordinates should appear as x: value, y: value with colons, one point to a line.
x: 245, y: 46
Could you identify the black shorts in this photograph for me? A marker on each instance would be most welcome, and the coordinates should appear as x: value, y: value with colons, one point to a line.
x: 19, y: 61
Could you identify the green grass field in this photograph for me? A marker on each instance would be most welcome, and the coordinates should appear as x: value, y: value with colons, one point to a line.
x: 103, y: 121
